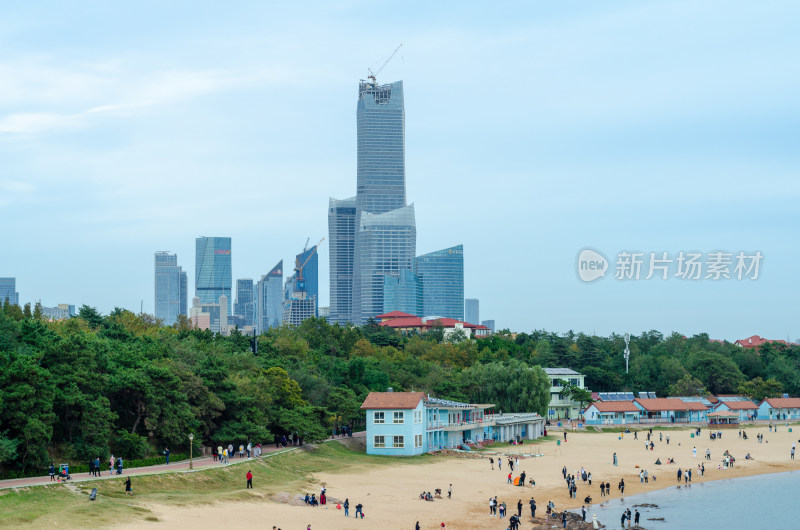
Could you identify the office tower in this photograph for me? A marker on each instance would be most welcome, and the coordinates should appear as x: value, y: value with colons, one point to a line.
x: 441, y: 274
x: 170, y: 288
x: 70, y: 308
x: 384, y: 230
x: 402, y: 293
x: 489, y: 324
x: 211, y: 316
x: 269, y: 299
x: 60, y: 312
x: 385, y: 245
x: 212, y: 274
x: 244, y: 306
x: 309, y: 261
x: 472, y: 310
x: 341, y: 239
x: 8, y: 291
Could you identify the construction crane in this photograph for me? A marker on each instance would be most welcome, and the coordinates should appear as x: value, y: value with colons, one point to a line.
x: 299, y: 268
x: 373, y: 74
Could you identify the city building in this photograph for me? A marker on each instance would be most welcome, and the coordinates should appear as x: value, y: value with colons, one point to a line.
x: 244, y: 307
x: 325, y: 312
x: 8, y: 291
x: 298, y: 308
x: 563, y: 407
x: 269, y: 297
x: 385, y: 245
x: 489, y: 324
x: 411, y: 423
x: 402, y: 293
x: 441, y: 274
x: 341, y: 239
x: 170, y: 288
x: 60, y: 312
x: 212, y: 275
x: 211, y: 316
x: 407, y: 323
x: 472, y: 311
x: 69, y: 308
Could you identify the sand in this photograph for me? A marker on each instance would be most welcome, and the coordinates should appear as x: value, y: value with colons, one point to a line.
x: 390, y: 495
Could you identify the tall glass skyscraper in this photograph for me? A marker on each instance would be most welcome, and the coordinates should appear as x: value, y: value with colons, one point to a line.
x: 402, y: 293
x: 472, y: 311
x: 244, y: 306
x: 310, y: 275
x: 170, y: 288
x: 8, y: 291
x: 385, y: 245
x: 341, y: 245
x: 212, y: 273
x: 383, y: 232
x: 269, y: 299
x: 442, y: 276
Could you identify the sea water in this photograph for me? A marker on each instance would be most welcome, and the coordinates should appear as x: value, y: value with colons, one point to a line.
x: 763, y: 501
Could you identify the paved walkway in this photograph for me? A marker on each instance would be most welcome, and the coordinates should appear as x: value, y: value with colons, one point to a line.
x: 182, y: 466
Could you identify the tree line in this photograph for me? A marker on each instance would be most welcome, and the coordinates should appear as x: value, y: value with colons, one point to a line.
x: 123, y: 383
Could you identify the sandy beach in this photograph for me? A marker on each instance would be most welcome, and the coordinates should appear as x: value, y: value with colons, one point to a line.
x: 391, y: 495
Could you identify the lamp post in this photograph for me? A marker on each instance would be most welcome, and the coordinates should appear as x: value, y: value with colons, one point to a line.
x: 191, y: 463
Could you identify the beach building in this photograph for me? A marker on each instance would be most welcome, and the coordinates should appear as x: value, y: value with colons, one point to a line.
x: 412, y: 423
x: 744, y: 408
x: 670, y: 410
x: 611, y: 413
x: 784, y: 408
x: 563, y: 407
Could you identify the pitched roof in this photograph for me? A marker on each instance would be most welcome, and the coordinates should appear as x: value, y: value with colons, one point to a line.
x: 659, y: 404
x: 411, y: 321
x: 394, y: 314
x: 392, y: 400
x: 614, y: 406
x: 739, y: 405
x: 782, y: 403
x: 755, y: 341
x: 722, y: 413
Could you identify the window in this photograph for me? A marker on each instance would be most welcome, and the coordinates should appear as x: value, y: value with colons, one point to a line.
x: 399, y: 417
x: 379, y: 442
x: 417, y: 416
x: 417, y: 440
x: 398, y: 442
x: 377, y: 417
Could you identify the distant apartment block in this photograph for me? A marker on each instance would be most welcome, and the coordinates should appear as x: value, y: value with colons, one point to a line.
x: 8, y: 291
x: 472, y: 311
x: 489, y: 324
x: 244, y: 308
x: 269, y: 297
x: 211, y: 316
x: 170, y: 288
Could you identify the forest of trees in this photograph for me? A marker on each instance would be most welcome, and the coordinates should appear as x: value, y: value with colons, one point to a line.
x: 122, y: 383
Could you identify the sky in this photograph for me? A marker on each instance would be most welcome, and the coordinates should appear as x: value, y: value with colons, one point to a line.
x: 534, y: 130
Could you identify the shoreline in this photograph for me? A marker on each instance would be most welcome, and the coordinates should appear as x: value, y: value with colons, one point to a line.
x: 390, y: 494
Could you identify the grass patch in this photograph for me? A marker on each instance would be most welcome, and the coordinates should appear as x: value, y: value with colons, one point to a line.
x: 291, y: 472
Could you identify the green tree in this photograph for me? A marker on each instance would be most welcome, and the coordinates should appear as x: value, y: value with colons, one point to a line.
x: 512, y: 387
x: 687, y: 386
x: 758, y: 389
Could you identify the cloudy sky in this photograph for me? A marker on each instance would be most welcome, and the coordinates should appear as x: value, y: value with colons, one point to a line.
x: 533, y: 130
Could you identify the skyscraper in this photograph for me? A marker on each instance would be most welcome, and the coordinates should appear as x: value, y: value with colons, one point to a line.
x: 269, y: 299
x: 402, y: 293
x: 309, y: 260
x: 8, y: 291
x: 472, y: 310
x: 442, y: 276
x: 170, y: 288
x: 341, y: 239
x: 212, y: 274
x: 244, y: 306
x: 385, y: 245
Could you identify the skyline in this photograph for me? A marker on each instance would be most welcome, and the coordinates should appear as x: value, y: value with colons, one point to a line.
x: 661, y: 128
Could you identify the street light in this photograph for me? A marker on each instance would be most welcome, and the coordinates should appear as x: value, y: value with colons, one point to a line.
x: 191, y: 463
x: 627, y: 351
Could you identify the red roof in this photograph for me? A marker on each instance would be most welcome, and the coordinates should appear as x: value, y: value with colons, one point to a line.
x: 411, y: 321
x: 659, y: 404
x: 393, y: 400
x: 394, y: 314
x: 783, y: 403
x: 755, y: 341
x: 614, y: 406
x: 739, y: 405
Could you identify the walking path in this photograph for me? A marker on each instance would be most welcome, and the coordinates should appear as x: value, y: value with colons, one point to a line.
x: 182, y: 466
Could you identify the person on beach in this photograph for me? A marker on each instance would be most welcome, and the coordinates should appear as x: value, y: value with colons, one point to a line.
x: 694, y: 452
x: 636, y: 519
x: 622, y: 520
x: 249, y: 479
x: 450, y: 492
x: 628, y: 515
x: 680, y: 473
x: 491, y: 462
x: 519, y: 508
x: 510, y: 464
x: 532, y: 502
x: 128, y: 490
x: 602, y: 489
x: 589, y: 477
x: 499, y: 464
x: 608, y: 489
x: 359, y: 510
x: 564, y: 471
x: 347, y: 508
x: 792, y: 451
x: 668, y: 439
x: 565, y: 436
x: 510, y: 481
x: 564, y: 519
x: 583, y: 513
x: 502, y: 509
x: 615, y: 459
x: 491, y: 507
x: 621, y: 486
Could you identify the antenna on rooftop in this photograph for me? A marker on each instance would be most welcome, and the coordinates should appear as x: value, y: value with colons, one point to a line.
x: 372, y: 74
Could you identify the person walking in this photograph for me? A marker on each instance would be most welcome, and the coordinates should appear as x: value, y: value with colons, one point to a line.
x: 52, y: 472
x: 694, y: 452
x: 491, y: 462
x: 346, y: 507
x: 450, y: 492
x: 792, y: 451
x: 97, y: 467
x: 668, y: 439
x: 166, y: 453
x: 119, y: 466
x: 602, y: 489
x: 249, y: 479
x: 519, y: 508
x: 680, y: 473
x: 111, y: 465
x: 128, y: 489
